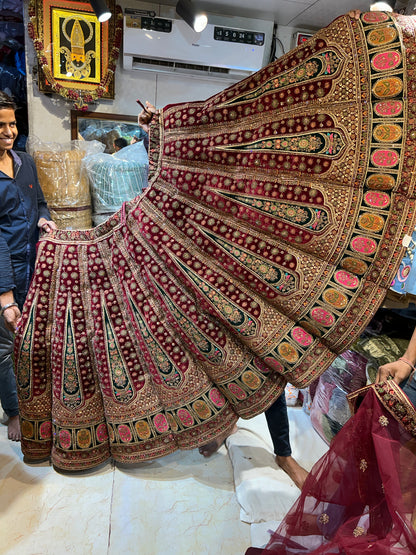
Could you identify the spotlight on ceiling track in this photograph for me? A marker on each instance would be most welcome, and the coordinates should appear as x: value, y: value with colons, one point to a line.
x: 101, y: 10
x: 383, y: 6
x: 195, y: 18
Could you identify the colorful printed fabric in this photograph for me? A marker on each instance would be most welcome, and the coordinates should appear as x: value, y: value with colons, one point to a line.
x: 268, y: 237
x: 404, y: 281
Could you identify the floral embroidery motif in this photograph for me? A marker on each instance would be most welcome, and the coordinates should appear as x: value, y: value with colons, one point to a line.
x: 324, y: 518
x: 359, y: 531
x: 384, y: 421
x: 363, y: 465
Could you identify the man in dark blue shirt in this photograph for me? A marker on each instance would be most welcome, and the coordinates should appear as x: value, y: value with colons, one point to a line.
x: 23, y: 211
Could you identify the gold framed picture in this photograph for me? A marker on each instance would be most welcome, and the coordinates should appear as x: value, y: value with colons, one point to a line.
x: 76, y: 53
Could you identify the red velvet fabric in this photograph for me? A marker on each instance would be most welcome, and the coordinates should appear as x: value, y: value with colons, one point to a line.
x: 269, y: 235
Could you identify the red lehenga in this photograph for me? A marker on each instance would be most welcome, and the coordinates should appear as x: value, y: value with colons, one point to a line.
x: 267, y: 239
x: 361, y: 496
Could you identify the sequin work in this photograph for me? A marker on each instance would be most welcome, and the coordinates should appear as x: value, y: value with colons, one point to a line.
x: 266, y: 241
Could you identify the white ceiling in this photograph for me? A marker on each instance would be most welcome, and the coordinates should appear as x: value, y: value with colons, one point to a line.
x: 308, y: 14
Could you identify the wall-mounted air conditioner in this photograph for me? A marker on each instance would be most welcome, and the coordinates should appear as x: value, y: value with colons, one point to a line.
x: 230, y: 47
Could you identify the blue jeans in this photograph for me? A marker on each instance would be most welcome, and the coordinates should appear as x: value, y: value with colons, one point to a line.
x: 8, y: 393
x: 278, y: 424
x: 410, y: 388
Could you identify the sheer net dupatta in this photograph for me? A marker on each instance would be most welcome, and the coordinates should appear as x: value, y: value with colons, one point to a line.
x: 361, y: 496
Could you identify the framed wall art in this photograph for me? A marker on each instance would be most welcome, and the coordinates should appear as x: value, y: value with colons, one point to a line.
x: 76, y: 53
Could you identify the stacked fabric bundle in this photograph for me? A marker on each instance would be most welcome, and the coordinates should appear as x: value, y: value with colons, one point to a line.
x: 64, y: 184
x: 116, y: 179
x: 66, y: 190
x: 330, y: 409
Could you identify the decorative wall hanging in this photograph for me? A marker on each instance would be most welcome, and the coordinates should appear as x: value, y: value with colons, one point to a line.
x: 76, y: 53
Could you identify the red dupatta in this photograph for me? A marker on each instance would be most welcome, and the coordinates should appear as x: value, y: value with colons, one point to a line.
x: 361, y: 496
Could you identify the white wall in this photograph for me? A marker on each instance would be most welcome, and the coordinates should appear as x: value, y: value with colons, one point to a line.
x: 49, y: 116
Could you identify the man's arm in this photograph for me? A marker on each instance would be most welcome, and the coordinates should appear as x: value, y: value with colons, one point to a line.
x: 45, y: 223
x: 11, y: 314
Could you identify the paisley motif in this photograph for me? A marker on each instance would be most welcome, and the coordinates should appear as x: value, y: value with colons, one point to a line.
x: 364, y: 245
x: 84, y: 438
x: 385, y: 158
x: 322, y: 316
x: 380, y: 181
x: 250, y: 379
x: 237, y: 391
x: 161, y: 423
x: 377, y: 199
x: 142, y: 429
x: 347, y: 280
x: 288, y: 352
x: 185, y: 417
x: 374, y: 17
x: 388, y: 108
x: 384, y: 61
x: 65, y: 439
x: 102, y: 432
x: 275, y: 364
x: 45, y: 430
x: 354, y: 266
x: 335, y: 298
x: 124, y: 432
x: 216, y: 397
x: 301, y: 336
x: 172, y: 422
x: 381, y: 36
x: 27, y: 429
x: 388, y: 87
x: 201, y: 409
x: 387, y: 133
x: 371, y: 222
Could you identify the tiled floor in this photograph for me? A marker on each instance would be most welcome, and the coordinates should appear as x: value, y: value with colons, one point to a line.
x: 181, y: 504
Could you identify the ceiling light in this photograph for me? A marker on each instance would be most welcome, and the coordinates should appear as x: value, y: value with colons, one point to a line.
x: 384, y: 6
x: 101, y: 10
x: 195, y: 18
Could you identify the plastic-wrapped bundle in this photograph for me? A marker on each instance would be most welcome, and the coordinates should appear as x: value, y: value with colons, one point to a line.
x: 116, y: 178
x: 64, y: 185
x: 330, y: 409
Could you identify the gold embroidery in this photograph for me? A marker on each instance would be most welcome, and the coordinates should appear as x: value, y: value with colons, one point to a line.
x: 359, y: 531
x: 324, y: 518
x: 384, y: 421
x: 363, y: 465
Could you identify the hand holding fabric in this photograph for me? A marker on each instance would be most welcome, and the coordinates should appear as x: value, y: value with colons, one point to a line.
x: 397, y: 370
x: 47, y: 225
x: 12, y: 318
x: 146, y: 116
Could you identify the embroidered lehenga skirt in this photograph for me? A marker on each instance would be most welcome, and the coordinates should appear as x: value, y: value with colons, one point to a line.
x: 268, y: 237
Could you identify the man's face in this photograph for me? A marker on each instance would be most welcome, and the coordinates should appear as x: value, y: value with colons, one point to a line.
x: 8, y: 129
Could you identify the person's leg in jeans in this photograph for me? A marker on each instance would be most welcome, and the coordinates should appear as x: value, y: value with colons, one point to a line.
x: 410, y: 388
x: 8, y: 393
x: 278, y: 424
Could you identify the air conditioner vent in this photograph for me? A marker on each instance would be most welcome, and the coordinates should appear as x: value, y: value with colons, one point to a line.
x: 141, y: 63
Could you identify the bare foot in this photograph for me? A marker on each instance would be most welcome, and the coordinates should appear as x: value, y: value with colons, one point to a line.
x: 293, y: 469
x: 210, y: 448
x: 13, y: 428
